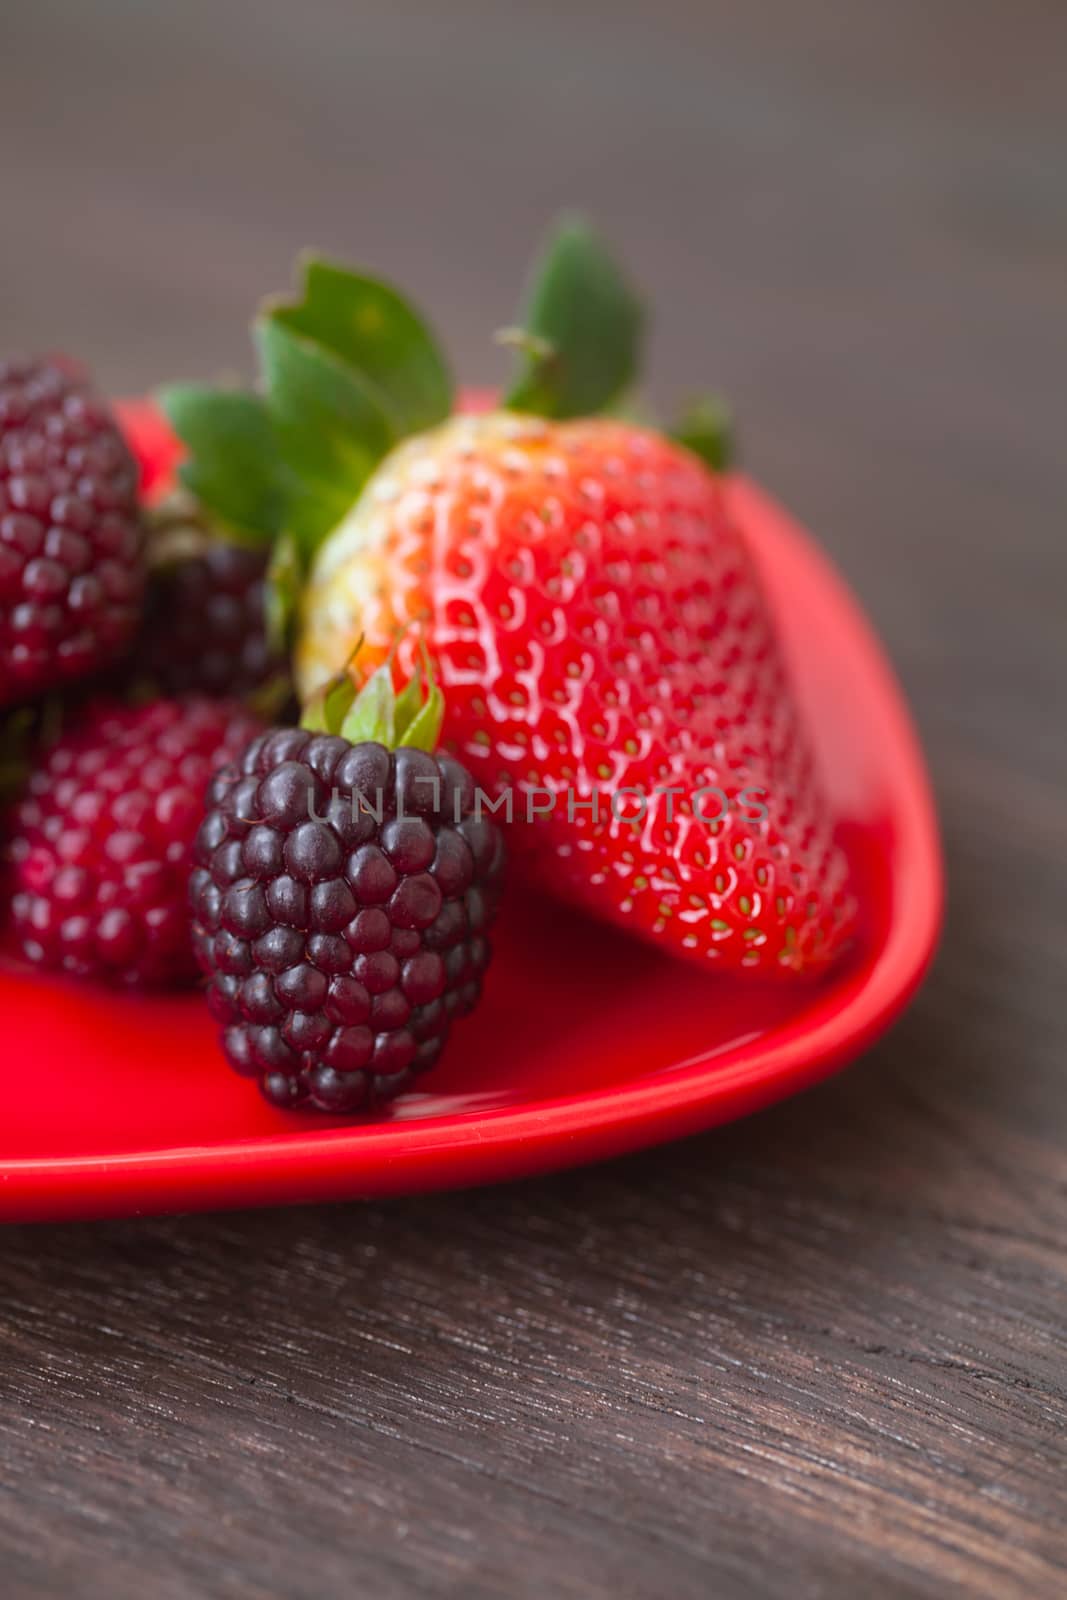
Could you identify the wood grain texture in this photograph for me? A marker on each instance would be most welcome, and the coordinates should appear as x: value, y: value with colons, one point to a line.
x: 817, y: 1354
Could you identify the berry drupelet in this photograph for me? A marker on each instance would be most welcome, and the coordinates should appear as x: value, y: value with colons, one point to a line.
x: 343, y: 887
x: 101, y: 840
x: 71, y: 538
x: 205, y: 619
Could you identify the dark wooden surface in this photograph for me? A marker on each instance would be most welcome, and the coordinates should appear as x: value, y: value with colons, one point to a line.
x: 817, y: 1354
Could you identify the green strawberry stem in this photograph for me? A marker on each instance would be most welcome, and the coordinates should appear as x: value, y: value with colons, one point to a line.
x: 348, y: 368
x: 581, y: 330
x: 706, y: 428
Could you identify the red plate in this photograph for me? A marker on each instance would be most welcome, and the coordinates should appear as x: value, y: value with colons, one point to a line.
x: 585, y: 1045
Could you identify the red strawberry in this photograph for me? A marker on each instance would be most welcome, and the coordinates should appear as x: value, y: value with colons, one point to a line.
x: 599, y: 628
x: 594, y: 614
x: 101, y: 842
x: 151, y: 442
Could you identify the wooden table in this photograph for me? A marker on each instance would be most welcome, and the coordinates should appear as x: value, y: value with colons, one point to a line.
x: 816, y: 1354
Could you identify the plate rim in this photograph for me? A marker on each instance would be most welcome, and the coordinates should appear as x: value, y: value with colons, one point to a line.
x: 480, y: 1146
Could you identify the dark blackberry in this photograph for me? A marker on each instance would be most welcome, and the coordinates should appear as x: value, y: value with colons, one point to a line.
x: 339, y: 909
x: 101, y: 840
x: 71, y: 537
x: 205, y: 620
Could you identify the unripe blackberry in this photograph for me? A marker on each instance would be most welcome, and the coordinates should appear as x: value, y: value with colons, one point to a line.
x: 341, y: 897
x: 71, y: 538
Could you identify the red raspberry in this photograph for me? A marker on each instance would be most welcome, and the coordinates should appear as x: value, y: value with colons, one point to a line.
x: 71, y: 538
x: 341, y: 939
x: 101, y: 842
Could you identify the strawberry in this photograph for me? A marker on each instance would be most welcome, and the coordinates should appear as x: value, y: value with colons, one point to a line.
x: 611, y: 670
x: 152, y: 443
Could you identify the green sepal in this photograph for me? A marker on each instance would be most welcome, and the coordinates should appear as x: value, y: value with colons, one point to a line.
x: 706, y: 428
x: 419, y: 721
x: 580, y: 332
x: 375, y: 331
x: 233, y: 466
x: 409, y: 700
x: 372, y: 715
x: 377, y: 714
x: 284, y: 581
x: 424, y: 729
x: 331, y: 426
x: 328, y: 707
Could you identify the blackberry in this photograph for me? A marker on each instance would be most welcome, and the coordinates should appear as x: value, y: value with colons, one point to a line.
x: 71, y: 538
x: 341, y: 897
x: 101, y: 839
x: 205, y: 620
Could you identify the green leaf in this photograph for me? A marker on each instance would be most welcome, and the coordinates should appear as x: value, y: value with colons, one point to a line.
x: 331, y: 426
x: 581, y: 330
x: 233, y: 466
x: 706, y: 428
x: 373, y: 713
x: 373, y: 329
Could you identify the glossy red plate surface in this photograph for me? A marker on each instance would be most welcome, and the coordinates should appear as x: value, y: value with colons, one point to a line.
x: 586, y: 1043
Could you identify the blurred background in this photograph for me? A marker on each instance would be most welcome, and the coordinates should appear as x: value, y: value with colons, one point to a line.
x: 847, y: 215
